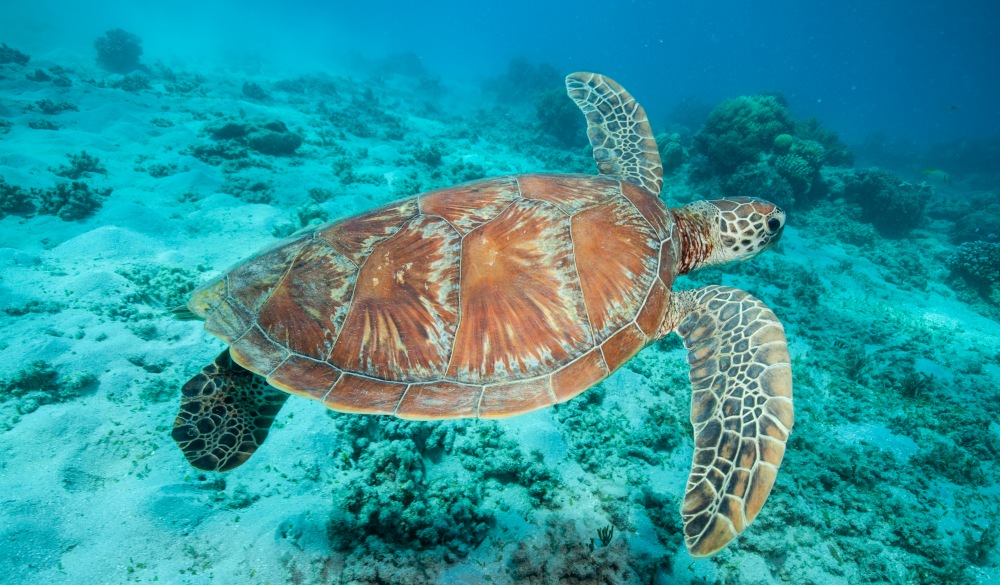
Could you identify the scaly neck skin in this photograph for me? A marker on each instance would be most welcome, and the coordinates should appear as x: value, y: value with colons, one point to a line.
x: 694, y: 232
x: 693, y: 223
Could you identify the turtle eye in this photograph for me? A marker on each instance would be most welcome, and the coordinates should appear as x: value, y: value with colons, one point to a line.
x: 773, y: 225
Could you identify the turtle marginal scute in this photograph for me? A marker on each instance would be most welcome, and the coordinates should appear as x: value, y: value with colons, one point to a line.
x: 781, y: 409
x: 439, y: 400
x: 513, y: 398
x: 651, y: 314
x: 731, y: 508
x: 364, y: 395
x: 305, y: 377
x: 228, y: 321
x: 620, y: 347
x: 698, y: 498
x: 578, y: 375
x: 255, y: 351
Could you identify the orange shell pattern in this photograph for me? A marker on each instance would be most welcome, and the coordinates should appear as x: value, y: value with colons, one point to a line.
x: 487, y: 299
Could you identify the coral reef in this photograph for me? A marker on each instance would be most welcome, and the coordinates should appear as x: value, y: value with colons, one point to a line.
x: 782, y: 143
x: 33, y: 306
x: 429, y: 154
x: 523, y: 82
x: 800, y: 166
x: 740, y: 130
x: 319, y: 85
x: 11, y: 55
x: 888, y: 478
x: 118, y: 51
x: 397, y: 501
x: 981, y: 222
x: 81, y: 165
x: 57, y: 75
x: 742, y: 133
x: 66, y: 200
x: 181, y: 83
x: 163, y: 287
x: 812, y: 152
x: 38, y: 76
x: 760, y: 180
x: 493, y: 456
x: 249, y: 190
x: 274, y: 139
x: 672, y: 154
x: 221, y: 153
x: 254, y: 91
x: 365, y: 116
x: 270, y: 137
x: 796, y: 170
x: 559, y: 118
x: 887, y: 202
x: 38, y: 384
x: 662, y: 512
x: 42, y: 125
x: 160, y: 170
x: 567, y: 557
x: 14, y: 199
x: 979, y: 264
x: 391, y: 501
x: 605, y: 443
x: 837, y: 153
x: 71, y: 201
x: 130, y: 83
x: 51, y: 108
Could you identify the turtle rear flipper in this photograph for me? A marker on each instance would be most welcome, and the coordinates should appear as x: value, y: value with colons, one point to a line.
x: 741, y: 410
x: 226, y: 412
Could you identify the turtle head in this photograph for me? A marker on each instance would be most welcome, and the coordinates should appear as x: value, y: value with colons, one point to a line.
x: 720, y: 231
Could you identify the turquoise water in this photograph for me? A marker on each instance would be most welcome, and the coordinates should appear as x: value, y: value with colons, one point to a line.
x: 145, y: 149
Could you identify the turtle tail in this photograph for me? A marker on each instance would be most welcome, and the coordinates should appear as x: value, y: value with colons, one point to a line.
x: 225, y: 414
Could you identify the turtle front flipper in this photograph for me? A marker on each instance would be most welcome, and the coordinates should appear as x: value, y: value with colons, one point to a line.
x: 618, y: 129
x: 226, y: 412
x: 741, y: 410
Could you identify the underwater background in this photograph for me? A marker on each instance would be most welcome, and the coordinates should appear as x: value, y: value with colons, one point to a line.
x: 147, y: 146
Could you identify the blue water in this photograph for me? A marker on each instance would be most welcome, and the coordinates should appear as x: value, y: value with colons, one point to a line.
x: 913, y: 71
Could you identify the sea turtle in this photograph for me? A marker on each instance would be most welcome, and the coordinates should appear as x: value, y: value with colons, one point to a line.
x: 505, y: 295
